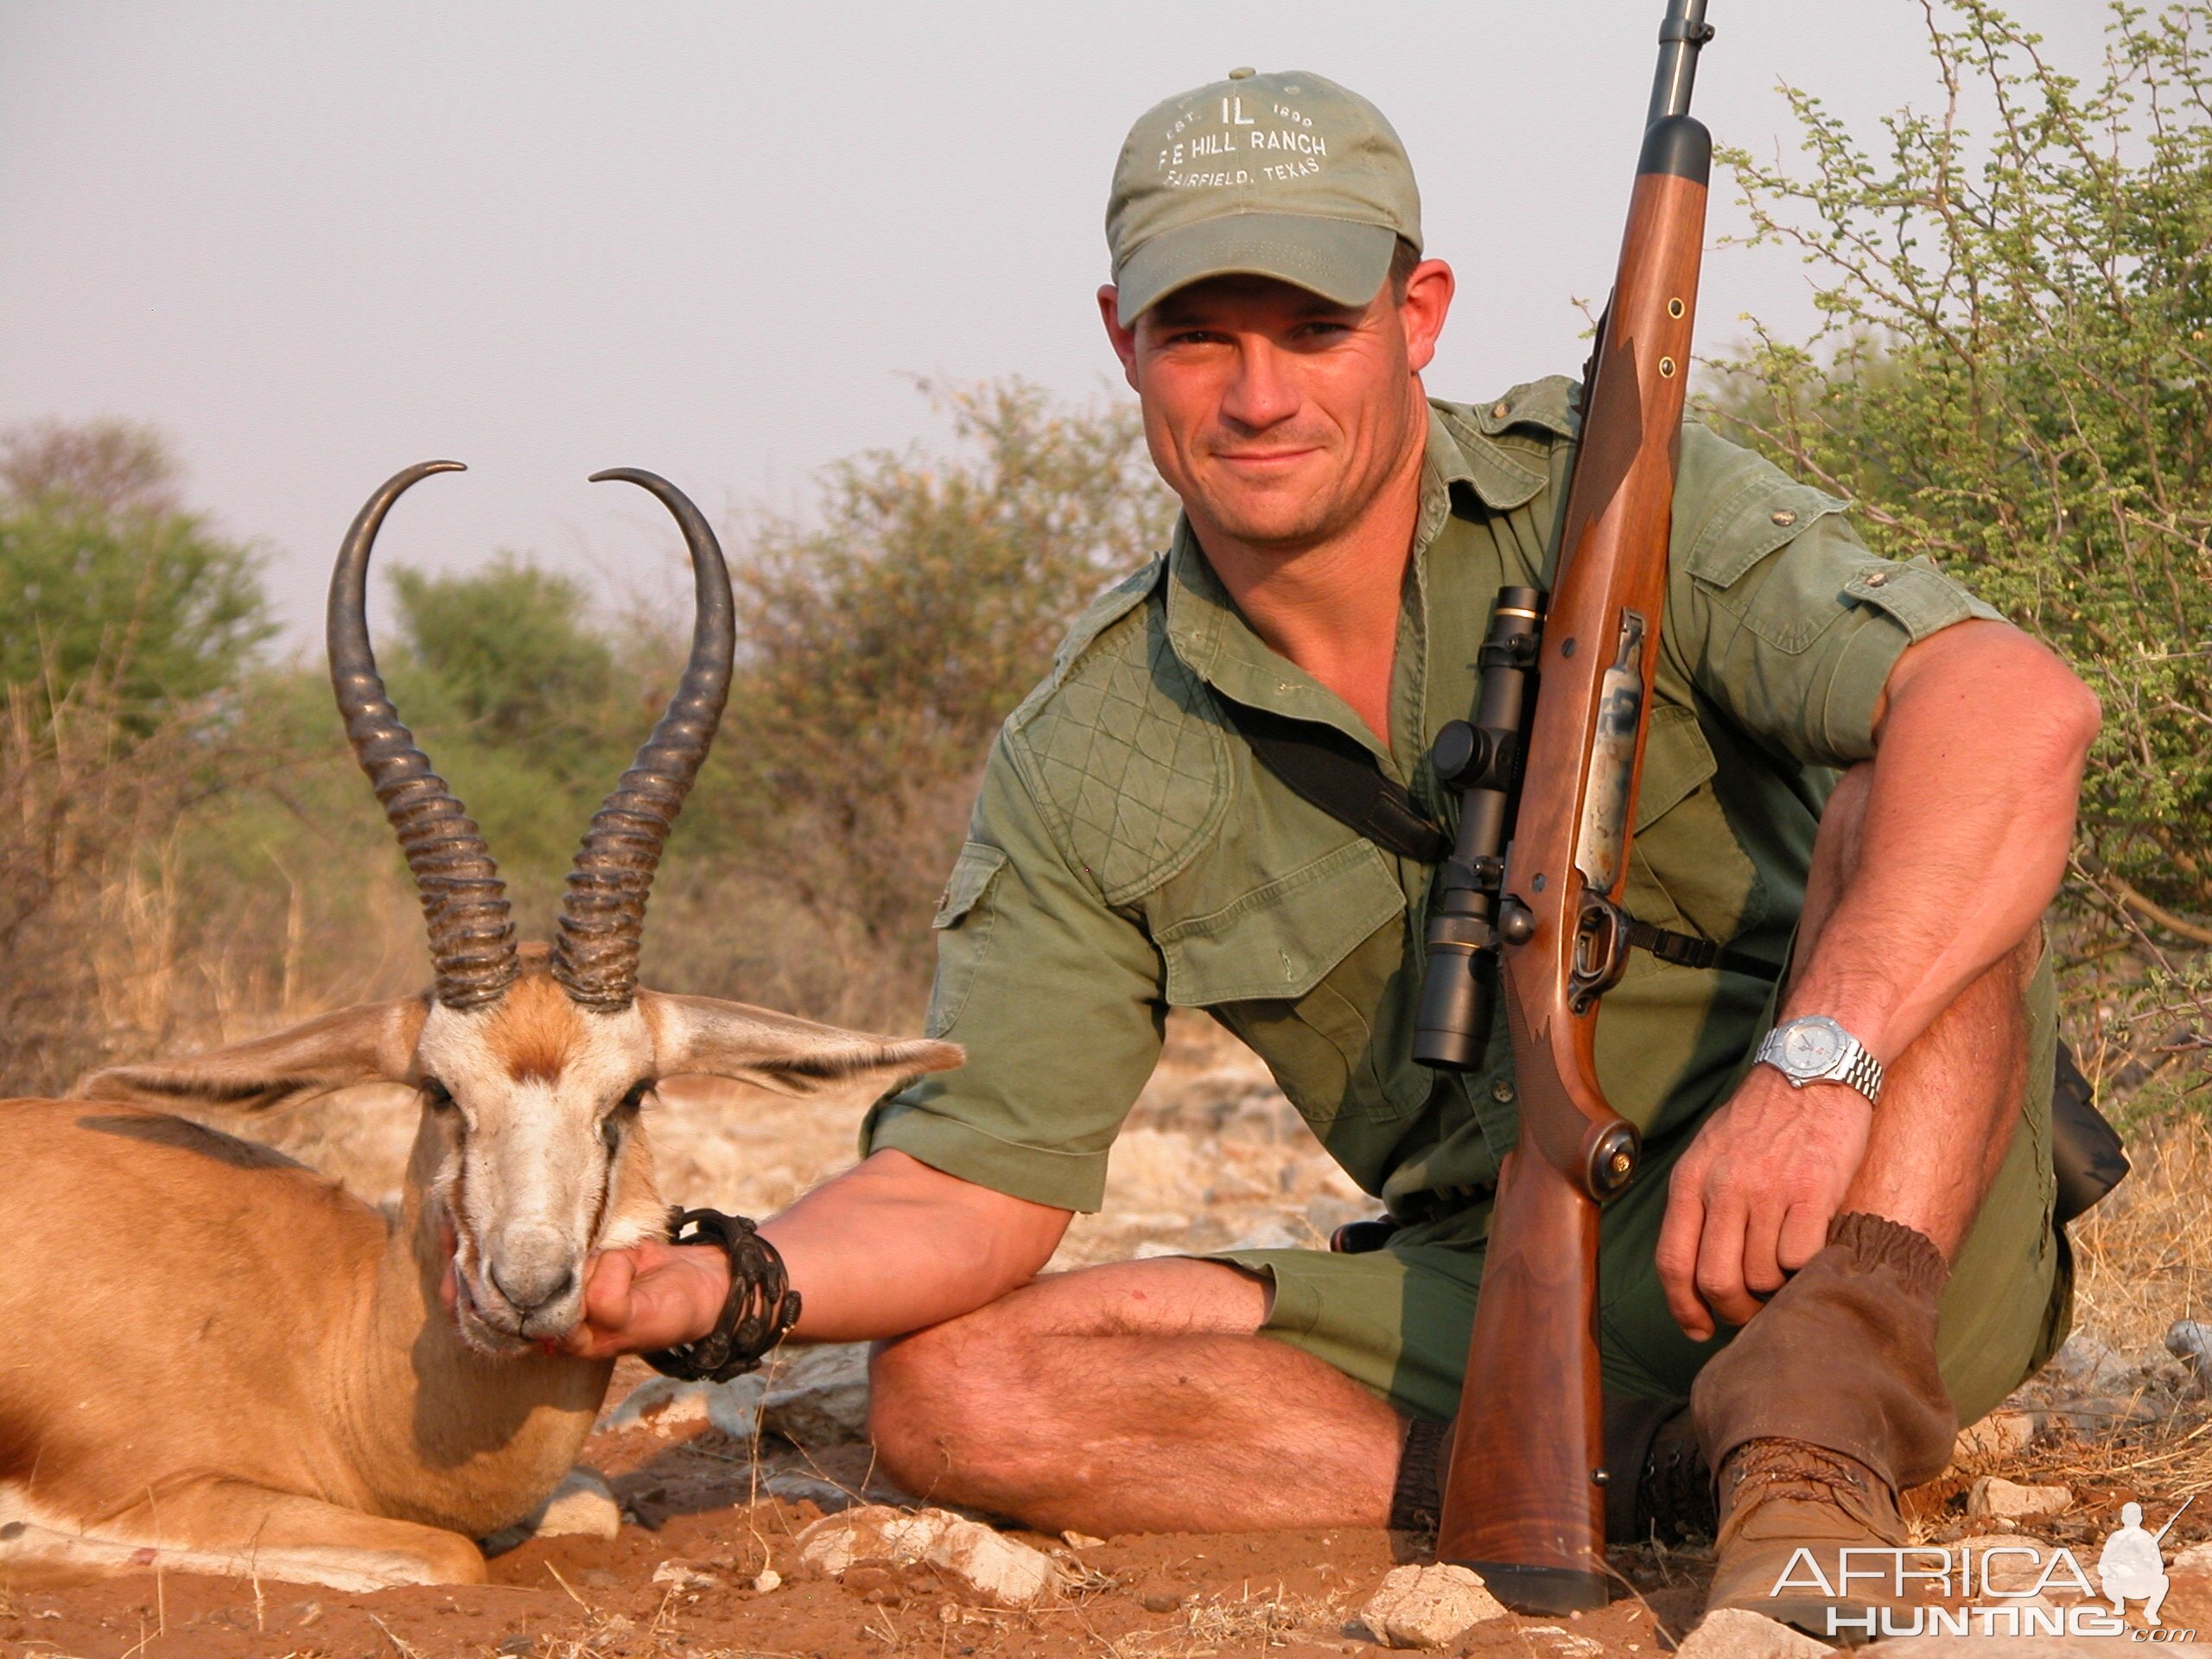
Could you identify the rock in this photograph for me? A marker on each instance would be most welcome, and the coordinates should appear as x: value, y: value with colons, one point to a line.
x: 665, y: 1404
x: 1557, y: 1639
x: 797, y: 1486
x: 769, y: 1579
x: 2001, y: 1435
x: 819, y: 1396
x: 1083, y: 1540
x: 2190, y: 1342
x: 1738, y: 1633
x: 1267, y: 1235
x: 2007, y: 1574
x: 1153, y: 1249
x: 2103, y: 1414
x: 734, y: 1408
x: 583, y: 1506
x: 2092, y: 1364
x: 1992, y: 1497
x: 683, y: 1576
x: 1428, y: 1606
x: 2195, y: 1561
x: 995, y: 1568
x: 658, y: 1402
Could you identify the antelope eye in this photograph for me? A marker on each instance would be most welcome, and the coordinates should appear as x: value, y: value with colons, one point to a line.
x: 439, y: 1097
x: 635, y: 1097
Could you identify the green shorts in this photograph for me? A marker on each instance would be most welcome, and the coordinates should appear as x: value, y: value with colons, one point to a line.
x: 1398, y: 1319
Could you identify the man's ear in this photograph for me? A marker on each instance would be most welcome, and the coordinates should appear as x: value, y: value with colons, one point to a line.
x: 374, y: 1042
x: 1429, y: 289
x: 1124, y: 341
x: 704, y: 1036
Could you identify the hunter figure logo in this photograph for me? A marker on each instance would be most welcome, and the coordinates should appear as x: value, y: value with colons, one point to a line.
x: 1919, y: 1590
x: 2130, y: 1568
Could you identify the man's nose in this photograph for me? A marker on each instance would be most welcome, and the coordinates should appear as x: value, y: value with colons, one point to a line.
x: 1263, y: 393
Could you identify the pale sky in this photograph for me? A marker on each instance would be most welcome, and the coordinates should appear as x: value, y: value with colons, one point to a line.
x: 312, y: 242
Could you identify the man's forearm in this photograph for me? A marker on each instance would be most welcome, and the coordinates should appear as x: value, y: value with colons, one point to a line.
x: 892, y: 1245
x: 1977, y: 764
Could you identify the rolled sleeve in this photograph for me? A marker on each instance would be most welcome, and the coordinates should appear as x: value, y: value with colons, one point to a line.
x: 1780, y: 614
x: 1058, y: 1000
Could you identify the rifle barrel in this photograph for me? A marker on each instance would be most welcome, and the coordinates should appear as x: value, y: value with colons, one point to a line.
x: 1680, y: 37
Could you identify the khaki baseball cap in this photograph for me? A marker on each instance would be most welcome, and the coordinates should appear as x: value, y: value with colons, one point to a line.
x: 1286, y: 175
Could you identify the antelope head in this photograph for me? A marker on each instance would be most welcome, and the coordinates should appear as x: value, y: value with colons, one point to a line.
x: 532, y: 1063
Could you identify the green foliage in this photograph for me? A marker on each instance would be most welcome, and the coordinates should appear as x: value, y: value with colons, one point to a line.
x: 881, y: 644
x: 512, y: 649
x: 102, y: 576
x: 2013, y: 377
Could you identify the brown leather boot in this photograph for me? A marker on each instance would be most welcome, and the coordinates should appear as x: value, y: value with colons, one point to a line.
x: 1825, y: 1405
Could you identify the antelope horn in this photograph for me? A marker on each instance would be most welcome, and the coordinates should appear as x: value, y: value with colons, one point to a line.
x: 603, y: 916
x: 464, y: 902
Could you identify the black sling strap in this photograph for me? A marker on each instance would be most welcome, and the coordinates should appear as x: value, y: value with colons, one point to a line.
x: 1338, y: 774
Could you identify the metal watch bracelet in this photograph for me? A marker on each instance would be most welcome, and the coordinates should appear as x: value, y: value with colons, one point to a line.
x: 1813, y: 1048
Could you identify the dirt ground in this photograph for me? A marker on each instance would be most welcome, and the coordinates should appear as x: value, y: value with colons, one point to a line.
x: 1214, y: 1156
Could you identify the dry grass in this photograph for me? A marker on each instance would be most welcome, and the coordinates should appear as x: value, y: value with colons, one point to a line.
x: 2143, y: 1255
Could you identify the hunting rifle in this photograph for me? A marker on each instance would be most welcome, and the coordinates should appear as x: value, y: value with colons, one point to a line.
x: 1546, y: 772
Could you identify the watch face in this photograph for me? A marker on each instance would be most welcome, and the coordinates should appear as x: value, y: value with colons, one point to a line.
x: 1809, y: 1049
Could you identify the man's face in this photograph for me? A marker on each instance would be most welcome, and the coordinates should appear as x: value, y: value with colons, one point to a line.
x: 1276, y: 415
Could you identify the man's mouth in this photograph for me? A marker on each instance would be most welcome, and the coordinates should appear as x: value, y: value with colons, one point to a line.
x: 1263, y: 457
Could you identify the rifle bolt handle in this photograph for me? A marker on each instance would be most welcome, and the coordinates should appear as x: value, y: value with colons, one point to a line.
x: 1516, y: 923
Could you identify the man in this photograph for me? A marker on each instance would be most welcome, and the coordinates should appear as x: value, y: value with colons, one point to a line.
x: 1342, y: 538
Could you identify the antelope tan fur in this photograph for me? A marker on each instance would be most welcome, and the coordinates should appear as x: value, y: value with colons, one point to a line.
x: 224, y: 1363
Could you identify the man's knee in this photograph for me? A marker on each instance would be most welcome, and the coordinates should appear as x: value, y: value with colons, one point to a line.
x: 932, y: 1394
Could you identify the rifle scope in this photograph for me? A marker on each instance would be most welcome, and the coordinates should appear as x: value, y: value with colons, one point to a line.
x: 1480, y: 758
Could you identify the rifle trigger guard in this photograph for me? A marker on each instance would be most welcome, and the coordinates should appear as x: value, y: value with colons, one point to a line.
x: 1600, y: 952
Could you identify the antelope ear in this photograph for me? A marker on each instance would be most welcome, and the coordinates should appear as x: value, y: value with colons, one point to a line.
x: 704, y: 1036
x: 374, y: 1042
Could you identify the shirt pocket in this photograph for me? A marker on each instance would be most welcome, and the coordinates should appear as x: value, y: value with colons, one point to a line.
x: 964, y: 922
x: 1790, y: 603
x: 1297, y: 968
x: 1686, y: 870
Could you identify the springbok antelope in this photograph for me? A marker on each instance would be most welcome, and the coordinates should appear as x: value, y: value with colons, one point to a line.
x: 223, y: 1363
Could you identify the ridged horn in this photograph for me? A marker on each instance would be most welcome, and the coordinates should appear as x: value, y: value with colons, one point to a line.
x: 603, y: 915
x: 464, y: 902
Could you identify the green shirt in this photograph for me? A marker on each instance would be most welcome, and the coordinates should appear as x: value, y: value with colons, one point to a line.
x: 1127, y: 855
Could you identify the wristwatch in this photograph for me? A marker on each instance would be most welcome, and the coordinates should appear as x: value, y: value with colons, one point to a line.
x: 1813, y: 1048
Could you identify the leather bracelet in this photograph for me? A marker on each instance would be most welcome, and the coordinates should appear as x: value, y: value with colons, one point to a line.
x: 757, y: 1314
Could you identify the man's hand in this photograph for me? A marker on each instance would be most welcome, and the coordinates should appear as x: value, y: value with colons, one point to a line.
x: 1751, y: 1200
x: 651, y: 1295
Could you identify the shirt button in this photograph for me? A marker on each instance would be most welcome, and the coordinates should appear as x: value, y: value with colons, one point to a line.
x: 1501, y: 1092
x: 1784, y: 517
x: 1877, y: 579
x: 1499, y: 411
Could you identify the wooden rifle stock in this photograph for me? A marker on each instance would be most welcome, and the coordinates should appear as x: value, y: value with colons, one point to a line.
x: 1524, y: 1495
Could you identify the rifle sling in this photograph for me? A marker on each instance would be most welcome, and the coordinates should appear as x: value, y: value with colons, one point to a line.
x: 1341, y: 777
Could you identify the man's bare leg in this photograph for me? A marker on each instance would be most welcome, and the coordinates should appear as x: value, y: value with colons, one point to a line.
x: 1133, y: 1398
